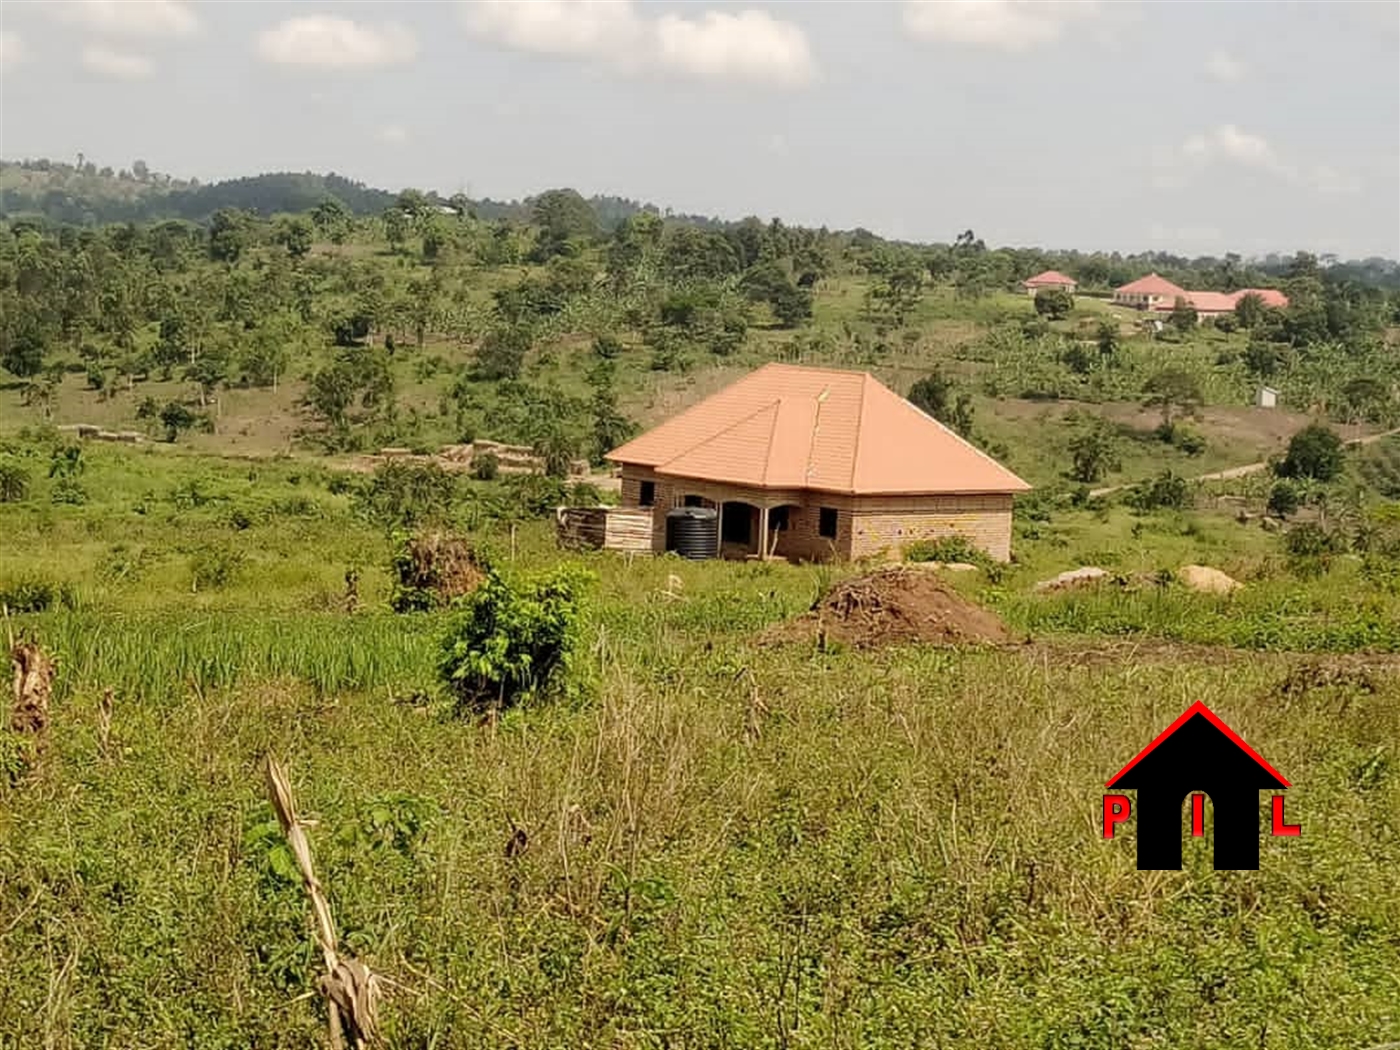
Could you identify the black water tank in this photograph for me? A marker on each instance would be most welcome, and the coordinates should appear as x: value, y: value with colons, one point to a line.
x: 692, y: 532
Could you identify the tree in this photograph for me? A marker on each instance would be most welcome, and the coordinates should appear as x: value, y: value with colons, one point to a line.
x: 1249, y: 310
x: 358, y: 378
x: 897, y: 292
x: 1315, y: 452
x: 936, y: 395
x: 228, y: 235
x: 767, y: 282
x: 563, y: 216
x: 175, y: 417
x: 1183, y: 317
x: 1054, y: 303
x: 1173, y: 389
x: 23, y: 354
x: 295, y: 234
x: 502, y: 353
x: 1107, y: 339
x: 332, y: 218
x: 1093, y: 452
x: 1283, y: 499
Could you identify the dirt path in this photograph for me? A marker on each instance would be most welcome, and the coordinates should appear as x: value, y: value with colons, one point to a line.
x: 1248, y: 468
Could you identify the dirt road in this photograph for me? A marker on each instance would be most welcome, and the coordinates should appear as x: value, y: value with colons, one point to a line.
x: 1249, y: 468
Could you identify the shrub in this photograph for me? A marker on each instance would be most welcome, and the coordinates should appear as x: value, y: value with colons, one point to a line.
x: 33, y: 594
x: 1093, y: 452
x: 69, y: 491
x: 945, y: 548
x: 486, y: 466
x: 1314, y: 452
x: 1310, y: 540
x: 1167, y: 491
x: 1054, y: 303
x: 405, y: 495
x: 214, y: 567
x: 513, y: 641
x: 14, y: 483
x: 534, y: 495
x: 1283, y: 499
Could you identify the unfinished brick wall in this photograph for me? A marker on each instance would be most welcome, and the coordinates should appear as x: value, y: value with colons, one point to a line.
x: 866, y: 526
x: 887, y: 525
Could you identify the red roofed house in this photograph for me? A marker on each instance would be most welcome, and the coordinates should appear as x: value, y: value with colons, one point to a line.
x: 1049, y: 279
x: 1158, y: 293
x: 815, y: 463
x: 1149, y: 293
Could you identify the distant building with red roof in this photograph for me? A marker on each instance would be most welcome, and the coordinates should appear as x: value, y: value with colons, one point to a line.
x: 1148, y: 293
x: 1158, y: 294
x: 1049, y: 279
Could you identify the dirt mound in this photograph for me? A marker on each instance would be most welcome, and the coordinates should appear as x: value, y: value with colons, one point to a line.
x: 435, y: 568
x: 895, y: 606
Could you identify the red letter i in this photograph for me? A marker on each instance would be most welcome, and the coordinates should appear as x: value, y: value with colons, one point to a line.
x: 1198, y: 816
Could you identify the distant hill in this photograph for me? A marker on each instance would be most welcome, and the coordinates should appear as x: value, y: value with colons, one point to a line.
x: 90, y: 196
x: 66, y: 193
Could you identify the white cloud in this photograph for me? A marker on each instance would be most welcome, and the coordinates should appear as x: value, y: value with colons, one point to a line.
x: 393, y: 134
x: 750, y: 45
x: 327, y: 42
x: 128, y: 17
x: 116, y: 65
x: 1225, y: 67
x: 581, y: 28
x: 1008, y: 25
x: 11, y: 49
x: 1230, y: 146
x: 744, y: 46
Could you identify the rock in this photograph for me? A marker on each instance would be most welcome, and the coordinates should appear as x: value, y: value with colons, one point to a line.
x: 1270, y: 524
x: 1206, y: 580
x: 943, y: 566
x: 1084, y: 576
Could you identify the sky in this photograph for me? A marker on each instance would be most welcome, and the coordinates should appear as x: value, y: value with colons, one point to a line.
x: 1190, y: 127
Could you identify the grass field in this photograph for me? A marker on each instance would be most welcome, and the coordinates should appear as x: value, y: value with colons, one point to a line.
x: 728, y: 844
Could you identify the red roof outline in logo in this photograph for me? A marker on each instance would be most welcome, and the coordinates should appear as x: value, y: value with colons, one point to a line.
x: 1210, y: 716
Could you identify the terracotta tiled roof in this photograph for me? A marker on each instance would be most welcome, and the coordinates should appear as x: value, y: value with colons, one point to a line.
x: 1049, y: 277
x: 1151, y: 285
x: 1272, y: 296
x: 1211, y: 302
x: 790, y: 427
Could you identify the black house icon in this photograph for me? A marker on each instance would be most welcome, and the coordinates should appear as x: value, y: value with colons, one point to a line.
x: 1198, y: 752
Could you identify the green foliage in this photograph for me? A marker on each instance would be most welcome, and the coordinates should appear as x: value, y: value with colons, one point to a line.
x: 1093, y: 452
x: 514, y: 639
x: 405, y: 495
x: 1165, y: 491
x: 32, y: 593
x: 502, y: 353
x: 1183, y: 317
x: 1054, y: 304
x: 486, y: 466
x: 215, y: 567
x: 14, y: 482
x: 176, y: 417
x: 1315, y: 452
x: 68, y: 491
x: 1284, y: 499
x: 356, y: 387
x: 954, y: 548
x: 1173, y: 390
x: 937, y: 396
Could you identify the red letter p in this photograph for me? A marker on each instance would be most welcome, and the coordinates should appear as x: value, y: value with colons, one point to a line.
x: 1116, y: 809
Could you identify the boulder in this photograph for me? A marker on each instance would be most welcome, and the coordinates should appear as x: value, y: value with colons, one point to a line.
x: 1207, y: 580
x: 1084, y: 576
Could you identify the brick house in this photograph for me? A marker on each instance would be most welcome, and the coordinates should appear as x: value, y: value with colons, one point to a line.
x: 815, y: 464
x: 1161, y: 296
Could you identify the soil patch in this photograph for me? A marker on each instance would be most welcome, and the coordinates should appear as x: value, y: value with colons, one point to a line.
x: 894, y: 606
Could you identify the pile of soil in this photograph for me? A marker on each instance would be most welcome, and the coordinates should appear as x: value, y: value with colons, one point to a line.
x: 441, y: 563
x: 895, y: 606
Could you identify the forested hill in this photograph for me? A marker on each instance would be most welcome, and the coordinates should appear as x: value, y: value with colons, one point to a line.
x: 86, y: 195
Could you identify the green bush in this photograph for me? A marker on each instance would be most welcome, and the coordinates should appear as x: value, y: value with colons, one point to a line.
x: 1314, y: 452
x: 407, y: 495
x: 1167, y: 491
x: 946, y: 549
x: 14, y: 483
x: 34, y: 594
x: 513, y: 640
x: 486, y: 466
x: 69, y: 491
x: 214, y: 567
x: 1284, y: 499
